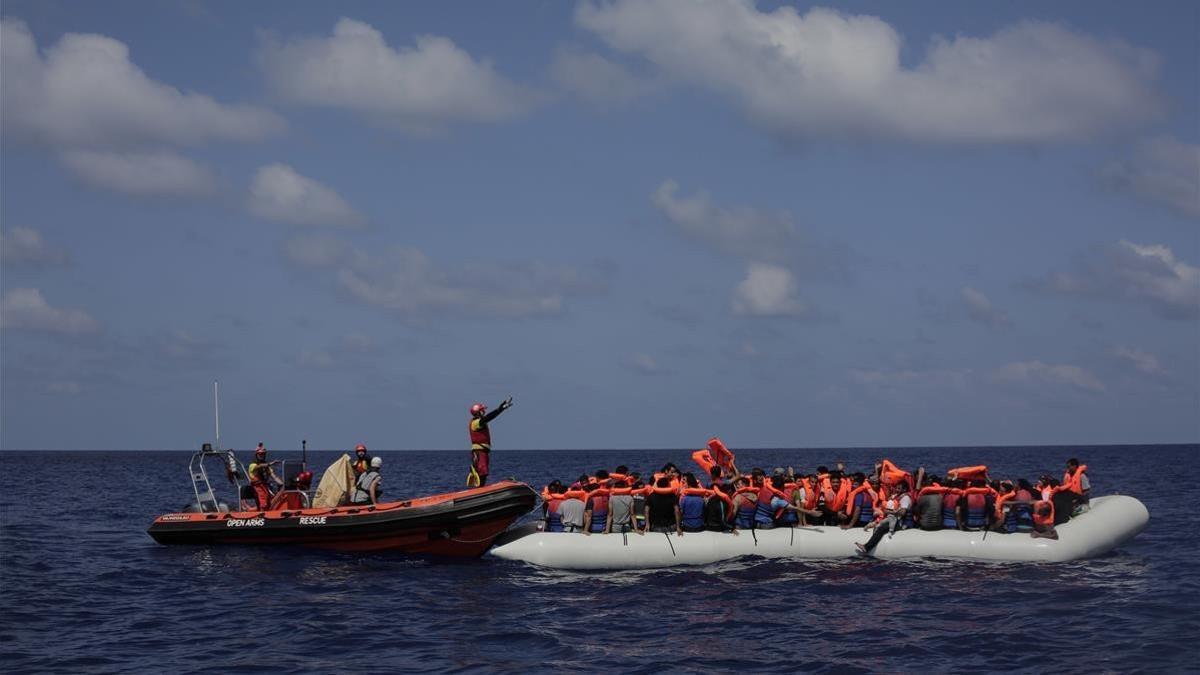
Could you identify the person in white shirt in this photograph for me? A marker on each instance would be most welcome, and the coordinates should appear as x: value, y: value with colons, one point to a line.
x: 571, y: 512
x: 894, y: 508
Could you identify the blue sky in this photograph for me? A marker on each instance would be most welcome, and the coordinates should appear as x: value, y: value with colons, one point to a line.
x: 879, y: 224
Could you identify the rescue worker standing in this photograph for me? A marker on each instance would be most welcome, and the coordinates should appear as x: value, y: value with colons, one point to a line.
x: 481, y: 441
x: 362, y: 461
x: 261, y: 475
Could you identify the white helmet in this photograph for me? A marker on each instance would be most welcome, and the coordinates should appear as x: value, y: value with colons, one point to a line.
x: 376, y: 462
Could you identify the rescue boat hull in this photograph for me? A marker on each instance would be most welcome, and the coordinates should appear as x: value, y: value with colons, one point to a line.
x: 459, y: 524
x: 1110, y: 522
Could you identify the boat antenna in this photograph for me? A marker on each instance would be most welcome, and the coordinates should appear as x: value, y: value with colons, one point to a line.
x: 304, y: 450
x: 217, y: 411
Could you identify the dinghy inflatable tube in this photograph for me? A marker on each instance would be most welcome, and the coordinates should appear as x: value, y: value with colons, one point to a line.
x: 1110, y: 522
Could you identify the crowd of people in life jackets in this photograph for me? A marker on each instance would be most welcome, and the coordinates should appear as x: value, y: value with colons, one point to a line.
x: 885, y: 500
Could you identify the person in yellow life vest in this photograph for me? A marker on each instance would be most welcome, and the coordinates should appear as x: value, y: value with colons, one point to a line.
x: 481, y: 441
x: 261, y: 476
x: 362, y: 461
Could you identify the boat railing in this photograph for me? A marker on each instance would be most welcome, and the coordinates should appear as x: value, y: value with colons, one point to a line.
x: 202, y: 489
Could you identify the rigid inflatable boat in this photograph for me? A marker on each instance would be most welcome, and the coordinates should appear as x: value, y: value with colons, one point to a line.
x: 461, y: 524
x: 1110, y: 522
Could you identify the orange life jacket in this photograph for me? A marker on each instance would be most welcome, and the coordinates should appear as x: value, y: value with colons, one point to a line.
x: 836, y: 502
x: 720, y: 454
x: 1043, y: 522
x: 968, y: 472
x: 979, y: 491
x: 890, y: 473
x: 1001, y: 500
x: 1074, y: 483
x: 865, y: 487
x: 725, y: 498
x: 810, y: 494
x: 705, y: 460
x: 933, y: 490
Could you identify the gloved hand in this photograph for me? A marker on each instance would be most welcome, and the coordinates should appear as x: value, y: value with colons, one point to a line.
x: 506, y: 403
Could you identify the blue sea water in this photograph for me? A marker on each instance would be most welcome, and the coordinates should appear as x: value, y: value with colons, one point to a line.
x: 83, y: 588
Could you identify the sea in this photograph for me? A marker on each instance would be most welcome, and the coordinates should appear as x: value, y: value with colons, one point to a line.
x: 84, y: 589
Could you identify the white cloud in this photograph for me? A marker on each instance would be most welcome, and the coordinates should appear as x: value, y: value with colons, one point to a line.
x: 84, y: 92
x: 280, y: 194
x: 419, y: 88
x: 744, y: 232
x: 407, y: 282
x: 1147, y: 274
x: 594, y: 78
x: 25, y: 246
x: 644, y: 364
x: 768, y: 290
x: 1038, y: 373
x: 315, y: 359
x: 27, y: 309
x: 142, y: 174
x: 315, y: 251
x: 979, y: 308
x: 1144, y: 362
x: 827, y: 73
x: 1162, y: 170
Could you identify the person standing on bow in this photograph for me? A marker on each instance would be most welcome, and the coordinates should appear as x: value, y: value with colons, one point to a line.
x: 481, y: 441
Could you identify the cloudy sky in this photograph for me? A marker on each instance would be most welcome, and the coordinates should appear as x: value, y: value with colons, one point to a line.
x: 885, y: 224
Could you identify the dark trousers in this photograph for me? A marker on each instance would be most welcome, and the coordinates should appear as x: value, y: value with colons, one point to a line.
x: 881, y: 530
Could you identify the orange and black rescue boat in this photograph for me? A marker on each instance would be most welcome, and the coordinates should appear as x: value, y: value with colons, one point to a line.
x: 460, y: 524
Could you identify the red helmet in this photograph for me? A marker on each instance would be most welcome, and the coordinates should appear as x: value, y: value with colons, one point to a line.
x: 360, y: 447
x: 478, y: 409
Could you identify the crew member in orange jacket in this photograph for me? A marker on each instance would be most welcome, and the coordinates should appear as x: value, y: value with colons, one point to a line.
x: 362, y: 461
x: 481, y: 441
x: 261, y: 476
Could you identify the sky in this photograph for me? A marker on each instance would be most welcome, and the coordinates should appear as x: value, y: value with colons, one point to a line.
x: 874, y: 224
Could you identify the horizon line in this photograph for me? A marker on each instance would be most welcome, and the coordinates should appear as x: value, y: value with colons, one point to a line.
x: 648, y: 449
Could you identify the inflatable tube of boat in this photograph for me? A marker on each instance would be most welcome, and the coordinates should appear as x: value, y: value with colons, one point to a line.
x: 1110, y: 522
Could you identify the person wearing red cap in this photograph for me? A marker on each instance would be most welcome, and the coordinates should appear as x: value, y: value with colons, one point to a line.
x: 362, y: 461
x: 481, y: 441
